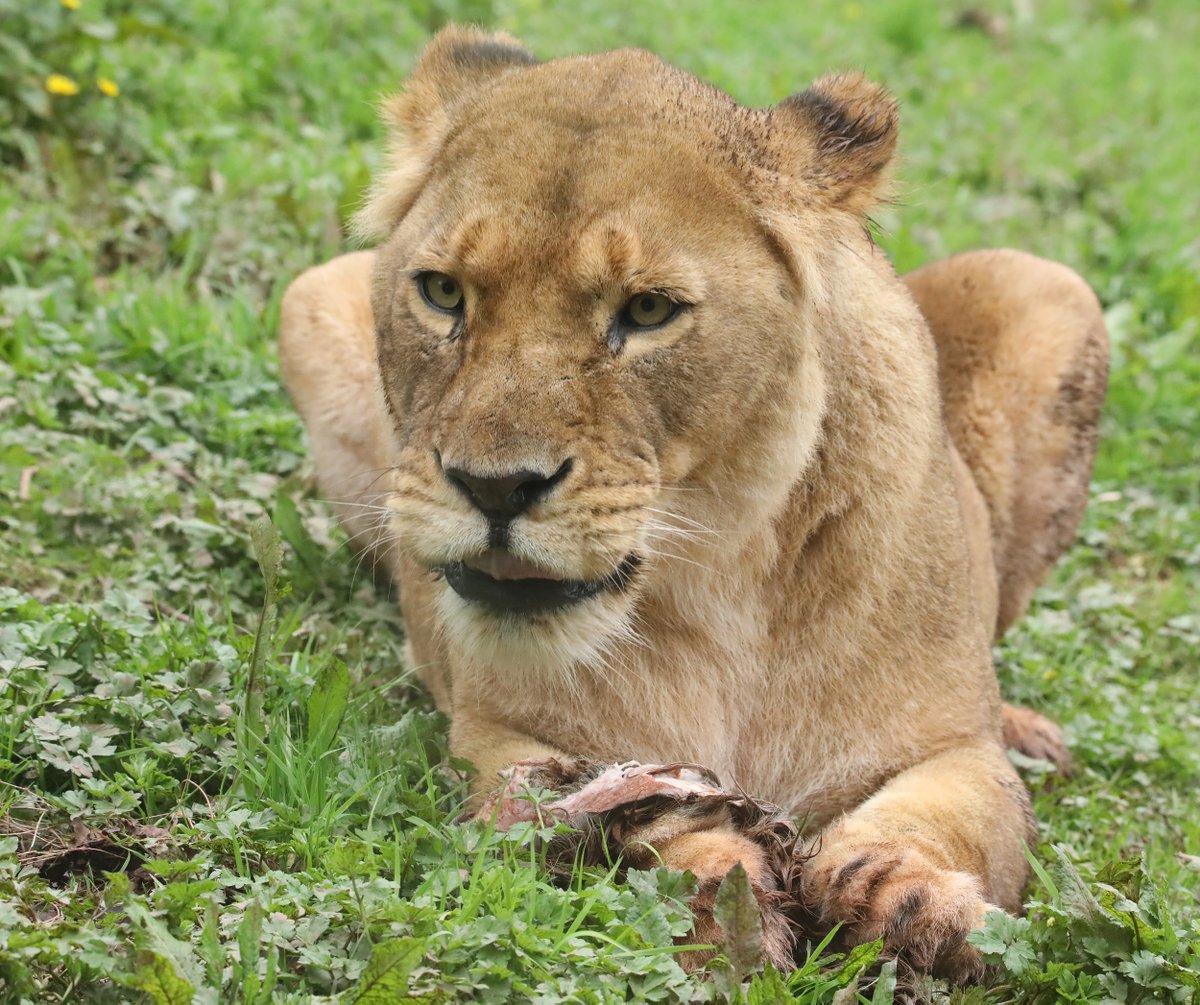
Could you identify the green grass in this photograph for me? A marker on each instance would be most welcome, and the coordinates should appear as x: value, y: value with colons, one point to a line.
x: 216, y: 775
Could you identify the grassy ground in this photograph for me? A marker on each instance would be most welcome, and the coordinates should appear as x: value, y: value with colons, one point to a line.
x: 152, y: 848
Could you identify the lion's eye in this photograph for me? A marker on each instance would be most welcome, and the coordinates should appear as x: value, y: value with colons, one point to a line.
x: 442, y: 292
x: 647, y: 310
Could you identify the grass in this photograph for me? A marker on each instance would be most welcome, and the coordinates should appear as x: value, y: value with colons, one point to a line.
x: 215, y: 777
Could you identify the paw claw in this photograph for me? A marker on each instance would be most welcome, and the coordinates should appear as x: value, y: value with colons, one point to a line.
x: 922, y: 912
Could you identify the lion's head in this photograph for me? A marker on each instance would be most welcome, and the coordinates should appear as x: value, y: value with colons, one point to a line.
x: 600, y: 306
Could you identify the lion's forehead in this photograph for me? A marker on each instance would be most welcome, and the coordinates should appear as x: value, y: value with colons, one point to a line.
x: 537, y: 161
x: 573, y: 133
x: 533, y: 200
x: 629, y: 85
x: 588, y: 166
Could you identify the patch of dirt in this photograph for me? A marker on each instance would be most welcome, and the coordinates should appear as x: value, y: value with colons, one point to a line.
x: 59, y: 852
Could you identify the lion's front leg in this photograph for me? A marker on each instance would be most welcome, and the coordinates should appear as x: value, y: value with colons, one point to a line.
x: 920, y: 862
x: 493, y: 748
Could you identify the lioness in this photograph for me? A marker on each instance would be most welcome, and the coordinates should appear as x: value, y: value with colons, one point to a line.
x: 669, y: 465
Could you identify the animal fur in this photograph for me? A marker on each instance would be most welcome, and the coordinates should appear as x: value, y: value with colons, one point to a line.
x: 840, y: 485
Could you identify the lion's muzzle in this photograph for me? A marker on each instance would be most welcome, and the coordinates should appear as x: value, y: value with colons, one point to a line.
x: 505, y: 496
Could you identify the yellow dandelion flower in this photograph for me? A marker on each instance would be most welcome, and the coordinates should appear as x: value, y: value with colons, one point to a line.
x: 56, y: 83
x: 71, y: 4
x: 108, y: 87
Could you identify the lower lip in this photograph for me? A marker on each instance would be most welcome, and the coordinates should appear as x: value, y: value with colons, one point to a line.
x: 531, y: 596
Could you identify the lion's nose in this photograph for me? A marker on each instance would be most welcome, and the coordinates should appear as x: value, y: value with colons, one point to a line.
x: 505, y: 496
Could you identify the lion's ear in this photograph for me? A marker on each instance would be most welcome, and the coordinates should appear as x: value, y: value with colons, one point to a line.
x: 457, y: 63
x: 839, y: 136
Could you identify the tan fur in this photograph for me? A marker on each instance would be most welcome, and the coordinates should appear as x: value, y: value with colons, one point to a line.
x: 821, y: 572
x: 1021, y: 409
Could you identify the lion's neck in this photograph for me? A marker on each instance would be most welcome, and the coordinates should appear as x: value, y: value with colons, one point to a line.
x: 860, y: 488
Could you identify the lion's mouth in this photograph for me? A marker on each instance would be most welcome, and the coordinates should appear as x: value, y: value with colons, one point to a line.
x: 504, y: 583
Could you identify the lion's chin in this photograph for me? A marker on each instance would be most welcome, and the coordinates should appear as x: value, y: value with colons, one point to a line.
x: 562, y: 639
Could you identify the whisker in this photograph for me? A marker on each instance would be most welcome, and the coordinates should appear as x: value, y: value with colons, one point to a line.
x: 353, y: 538
x: 696, y: 524
x: 674, y: 533
x: 359, y: 505
x: 371, y: 552
x: 658, y: 552
x: 380, y: 472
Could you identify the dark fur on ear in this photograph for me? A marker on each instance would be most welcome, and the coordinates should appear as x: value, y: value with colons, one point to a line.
x: 839, y: 138
x: 456, y: 64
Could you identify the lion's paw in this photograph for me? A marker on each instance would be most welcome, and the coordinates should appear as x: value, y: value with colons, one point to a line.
x: 922, y: 912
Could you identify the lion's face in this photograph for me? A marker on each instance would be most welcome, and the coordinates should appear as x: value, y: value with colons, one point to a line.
x: 593, y: 344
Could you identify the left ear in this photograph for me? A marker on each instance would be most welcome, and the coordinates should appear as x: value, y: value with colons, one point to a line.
x: 839, y: 139
x: 456, y: 64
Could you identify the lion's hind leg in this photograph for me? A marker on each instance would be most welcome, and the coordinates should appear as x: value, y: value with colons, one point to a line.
x: 1023, y: 363
x: 1035, y: 736
x: 327, y: 353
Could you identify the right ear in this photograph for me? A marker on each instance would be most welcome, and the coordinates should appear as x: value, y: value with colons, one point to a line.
x: 456, y: 64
